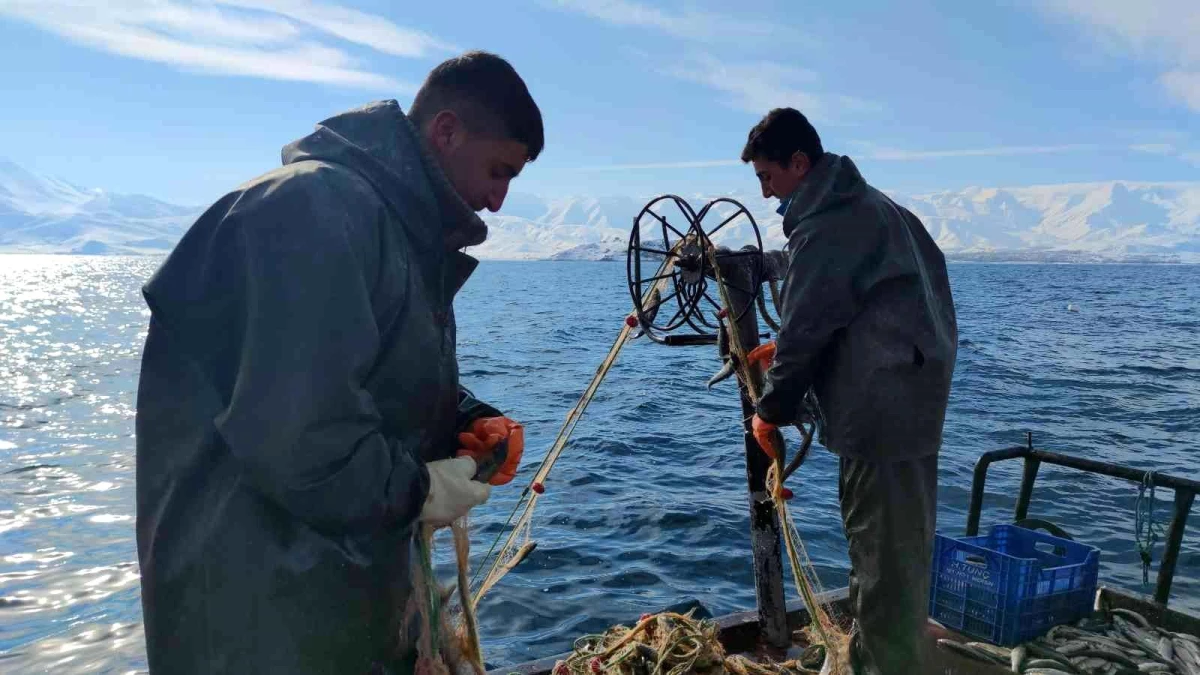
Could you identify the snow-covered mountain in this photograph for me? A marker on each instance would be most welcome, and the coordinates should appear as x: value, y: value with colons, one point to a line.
x: 41, y: 214
x: 1072, y: 222
x: 1108, y: 221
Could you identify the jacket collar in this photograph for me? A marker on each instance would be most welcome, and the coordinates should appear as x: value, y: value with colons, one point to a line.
x: 833, y: 180
x: 378, y: 141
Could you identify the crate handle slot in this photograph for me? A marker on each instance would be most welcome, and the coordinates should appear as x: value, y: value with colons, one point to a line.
x: 1050, y: 549
x: 976, y: 560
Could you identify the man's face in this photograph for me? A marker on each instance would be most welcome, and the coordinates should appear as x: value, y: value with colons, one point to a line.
x: 780, y: 180
x: 479, y: 167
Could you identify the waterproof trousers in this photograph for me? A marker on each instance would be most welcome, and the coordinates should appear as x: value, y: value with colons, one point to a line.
x: 889, y: 510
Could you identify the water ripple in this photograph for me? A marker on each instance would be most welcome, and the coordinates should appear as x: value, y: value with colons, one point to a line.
x: 648, y: 505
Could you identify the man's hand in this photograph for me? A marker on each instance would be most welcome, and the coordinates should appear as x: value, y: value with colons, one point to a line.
x: 485, y: 435
x: 768, y: 437
x: 452, y: 492
x: 762, y: 355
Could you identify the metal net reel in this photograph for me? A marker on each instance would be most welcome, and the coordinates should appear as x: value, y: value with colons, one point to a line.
x: 670, y: 242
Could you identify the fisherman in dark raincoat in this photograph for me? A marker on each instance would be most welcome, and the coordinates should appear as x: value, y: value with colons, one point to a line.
x: 868, y: 322
x: 299, y: 406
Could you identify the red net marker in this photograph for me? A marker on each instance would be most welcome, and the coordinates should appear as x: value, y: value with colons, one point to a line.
x: 786, y: 494
x: 722, y: 313
x: 631, y: 321
x: 539, y: 488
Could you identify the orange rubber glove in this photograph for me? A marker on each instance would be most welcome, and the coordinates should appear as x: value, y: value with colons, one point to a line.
x: 481, y: 439
x: 763, y: 355
x: 768, y: 437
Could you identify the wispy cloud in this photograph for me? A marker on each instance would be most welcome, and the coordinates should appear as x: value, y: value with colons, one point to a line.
x: 700, y: 164
x: 1184, y: 85
x: 1154, y: 148
x: 1162, y: 31
x: 289, y: 40
x: 688, y: 24
x: 351, y: 25
x: 869, y: 151
x: 891, y: 154
x: 758, y: 86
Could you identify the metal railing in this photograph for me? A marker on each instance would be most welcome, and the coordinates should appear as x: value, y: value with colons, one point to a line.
x: 1185, y: 494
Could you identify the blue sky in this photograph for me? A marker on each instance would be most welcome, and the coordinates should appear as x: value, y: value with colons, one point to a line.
x: 184, y: 100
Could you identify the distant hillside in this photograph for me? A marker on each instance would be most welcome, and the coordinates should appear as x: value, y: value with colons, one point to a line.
x: 1095, y: 222
x: 40, y: 214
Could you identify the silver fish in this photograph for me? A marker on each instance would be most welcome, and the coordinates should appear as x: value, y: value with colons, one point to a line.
x: 1041, y: 650
x: 1134, y: 617
x: 1042, y: 664
x: 1001, y: 654
x: 1017, y: 657
x: 969, y: 652
x: 1111, y: 656
x: 1190, y: 638
x: 1166, y: 649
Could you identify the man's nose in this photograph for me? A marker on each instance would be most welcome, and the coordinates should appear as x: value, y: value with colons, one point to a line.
x: 496, y: 198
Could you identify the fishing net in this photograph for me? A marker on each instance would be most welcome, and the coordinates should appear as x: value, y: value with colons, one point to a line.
x: 670, y: 644
x: 448, y: 640
x: 663, y: 644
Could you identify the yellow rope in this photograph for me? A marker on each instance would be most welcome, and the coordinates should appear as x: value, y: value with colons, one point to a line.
x: 826, y: 631
x: 667, y: 644
x: 698, y: 637
x: 508, y: 557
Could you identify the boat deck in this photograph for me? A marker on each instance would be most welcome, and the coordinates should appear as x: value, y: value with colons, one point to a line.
x: 739, y: 633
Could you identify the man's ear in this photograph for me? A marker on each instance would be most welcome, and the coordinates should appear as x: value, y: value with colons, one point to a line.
x: 445, y: 131
x: 800, y: 163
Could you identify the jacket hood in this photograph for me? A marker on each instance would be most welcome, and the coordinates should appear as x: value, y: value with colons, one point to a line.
x: 834, y: 180
x: 378, y: 141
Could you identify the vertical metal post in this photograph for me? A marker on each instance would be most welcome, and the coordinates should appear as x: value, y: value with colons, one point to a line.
x: 1166, y: 571
x: 977, y: 487
x: 764, y: 519
x: 1026, y: 494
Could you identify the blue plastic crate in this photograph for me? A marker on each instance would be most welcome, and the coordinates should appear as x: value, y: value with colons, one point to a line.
x: 1012, y: 585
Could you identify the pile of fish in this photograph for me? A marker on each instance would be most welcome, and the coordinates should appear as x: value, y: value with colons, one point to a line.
x: 1124, y: 643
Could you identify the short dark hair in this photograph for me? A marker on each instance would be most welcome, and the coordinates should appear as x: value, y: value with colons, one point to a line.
x: 778, y: 136
x: 486, y: 92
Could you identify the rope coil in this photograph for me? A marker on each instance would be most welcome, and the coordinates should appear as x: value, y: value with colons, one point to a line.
x: 1145, y: 530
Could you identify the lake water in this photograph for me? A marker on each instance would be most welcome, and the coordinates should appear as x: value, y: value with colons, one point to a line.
x: 647, y: 507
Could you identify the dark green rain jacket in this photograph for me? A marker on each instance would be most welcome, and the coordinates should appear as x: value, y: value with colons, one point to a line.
x: 298, y: 373
x: 868, y: 320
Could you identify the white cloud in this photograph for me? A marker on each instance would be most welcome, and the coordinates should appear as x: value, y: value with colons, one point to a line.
x: 700, y: 164
x: 1184, y: 86
x: 869, y: 151
x: 351, y: 25
x: 999, y: 151
x: 757, y: 87
x: 689, y: 24
x: 1163, y: 31
x: 1154, y: 148
x: 278, y: 39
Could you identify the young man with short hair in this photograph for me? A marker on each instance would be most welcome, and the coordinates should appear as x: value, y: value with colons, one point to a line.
x: 299, y: 410
x: 868, y: 322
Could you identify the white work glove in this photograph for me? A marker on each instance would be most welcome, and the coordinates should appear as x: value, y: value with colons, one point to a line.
x: 452, y: 493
